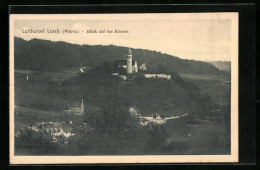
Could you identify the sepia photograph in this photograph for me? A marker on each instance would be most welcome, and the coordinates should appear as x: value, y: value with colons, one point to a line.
x: 123, y: 88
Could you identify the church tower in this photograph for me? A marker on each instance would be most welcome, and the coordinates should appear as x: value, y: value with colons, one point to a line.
x: 82, y: 107
x: 129, y: 62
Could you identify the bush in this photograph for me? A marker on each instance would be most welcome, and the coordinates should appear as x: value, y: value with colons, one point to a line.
x: 28, y: 136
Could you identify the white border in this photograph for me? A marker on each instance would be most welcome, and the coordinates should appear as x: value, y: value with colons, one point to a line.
x: 132, y: 159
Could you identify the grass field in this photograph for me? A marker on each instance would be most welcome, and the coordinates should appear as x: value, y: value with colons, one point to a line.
x: 45, y: 75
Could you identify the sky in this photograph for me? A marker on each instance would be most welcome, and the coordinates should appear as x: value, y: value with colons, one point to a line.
x: 196, y: 39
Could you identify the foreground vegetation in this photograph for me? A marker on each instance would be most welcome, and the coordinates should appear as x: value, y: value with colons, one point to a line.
x: 107, y: 100
x: 177, y: 137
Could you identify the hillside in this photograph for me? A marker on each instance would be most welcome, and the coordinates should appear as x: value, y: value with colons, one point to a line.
x: 148, y: 95
x: 44, y: 55
x: 222, y: 65
x: 97, y: 89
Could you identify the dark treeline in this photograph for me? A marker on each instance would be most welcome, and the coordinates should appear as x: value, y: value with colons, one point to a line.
x: 44, y: 55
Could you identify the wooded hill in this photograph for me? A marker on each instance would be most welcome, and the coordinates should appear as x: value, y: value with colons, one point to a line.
x: 45, y: 55
x: 222, y: 65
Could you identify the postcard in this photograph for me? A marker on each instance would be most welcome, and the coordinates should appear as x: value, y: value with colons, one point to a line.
x: 123, y: 88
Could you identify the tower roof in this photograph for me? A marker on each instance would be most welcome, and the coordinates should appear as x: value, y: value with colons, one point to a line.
x: 129, y: 51
x: 82, y: 104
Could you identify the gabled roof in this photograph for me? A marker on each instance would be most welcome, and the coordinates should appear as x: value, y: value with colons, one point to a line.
x: 161, y: 116
x: 158, y: 117
x: 143, y: 67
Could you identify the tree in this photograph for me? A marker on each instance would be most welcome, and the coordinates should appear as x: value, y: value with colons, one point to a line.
x: 104, y: 68
x: 28, y: 136
x: 163, y: 69
x: 176, y: 78
x: 114, y: 113
x: 61, y: 139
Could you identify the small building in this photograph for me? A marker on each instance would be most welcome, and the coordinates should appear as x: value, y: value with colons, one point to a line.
x: 158, y: 76
x: 75, y: 109
x: 135, y: 112
x: 154, y: 119
x: 158, y: 119
x: 82, y: 69
x: 123, y: 77
x: 54, y: 128
x: 143, y: 67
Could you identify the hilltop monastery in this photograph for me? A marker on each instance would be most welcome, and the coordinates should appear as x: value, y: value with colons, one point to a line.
x: 129, y: 66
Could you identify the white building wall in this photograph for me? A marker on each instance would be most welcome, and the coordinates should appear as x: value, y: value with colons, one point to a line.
x: 135, y: 67
x: 158, y: 76
x: 129, y: 64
